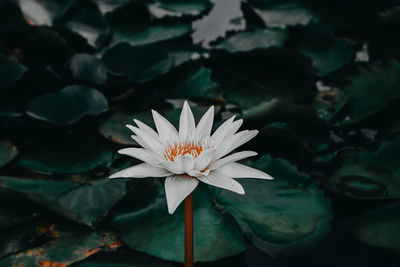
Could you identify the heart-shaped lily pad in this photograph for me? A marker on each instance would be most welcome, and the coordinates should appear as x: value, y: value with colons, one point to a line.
x: 139, y: 63
x: 380, y: 81
x: 379, y: 227
x: 281, y: 14
x: 65, y: 246
x: 368, y: 175
x: 153, y: 231
x: 88, y: 68
x: 8, y: 151
x: 88, y: 203
x: 67, y: 106
x: 249, y: 40
x: 282, y: 216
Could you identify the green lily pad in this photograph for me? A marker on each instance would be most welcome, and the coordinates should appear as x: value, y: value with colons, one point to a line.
x: 178, y: 8
x: 249, y: 40
x: 67, y: 106
x: 106, y: 6
x: 88, y: 204
x: 331, y: 57
x: 379, y: 227
x: 139, y: 63
x: 132, y: 23
x: 20, y: 211
x: 280, y: 14
x: 10, y: 73
x: 154, y: 231
x: 8, y: 151
x: 283, y: 216
x: 88, y: 68
x: 381, y: 82
x: 85, y: 19
x: 65, y: 247
x: 123, y: 259
x: 224, y: 16
x: 60, y: 152
x: 368, y: 175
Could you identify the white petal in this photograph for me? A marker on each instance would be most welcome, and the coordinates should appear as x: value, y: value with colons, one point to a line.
x: 204, y: 159
x: 204, y: 126
x: 164, y: 128
x: 147, y: 129
x: 186, y: 121
x: 231, y: 158
x: 181, y: 164
x: 141, y: 154
x: 151, y: 142
x: 222, y: 181
x: 141, y: 142
x: 142, y: 170
x: 177, y: 188
x: 221, y: 131
x: 234, y: 141
x: 237, y: 170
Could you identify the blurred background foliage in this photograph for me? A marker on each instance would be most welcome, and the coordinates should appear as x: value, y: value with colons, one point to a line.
x: 320, y: 80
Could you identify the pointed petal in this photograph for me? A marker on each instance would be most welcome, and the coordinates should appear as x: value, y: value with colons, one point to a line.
x: 142, y: 170
x: 237, y: 170
x: 151, y: 142
x: 204, y: 126
x: 234, y: 142
x: 147, y: 129
x: 204, y: 159
x: 141, y: 154
x: 219, y: 134
x: 186, y: 121
x: 222, y: 181
x: 164, y: 128
x: 229, y: 130
x: 232, y: 158
x: 177, y: 188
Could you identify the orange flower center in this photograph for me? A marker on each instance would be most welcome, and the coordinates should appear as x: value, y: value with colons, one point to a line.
x: 181, y: 149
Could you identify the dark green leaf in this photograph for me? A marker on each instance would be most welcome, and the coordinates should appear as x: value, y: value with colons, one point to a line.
x: 154, y: 231
x: 10, y: 73
x: 281, y: 216
x: 67, y: 106
x: 88, y: 68
x: 178, y: 8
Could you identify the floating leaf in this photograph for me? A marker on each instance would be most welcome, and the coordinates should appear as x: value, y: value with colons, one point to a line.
x: 65, y: 247
x: 329, y: 103
x: 7, y: 152
x: 153, y: 231
x: 331, y: 57
x: 282, y: 216
x: 225, y: 15
x: 133, y: 24
x: 368, y: 175
x: 276, y: 14
x: 381, y: 82
x: 139, y: 63
x: 59, y: 152
x: 106, y: 6
x: 249, y: 40
x: 88, y: 203
x: 379, y: 227
x: 178, y: 8
x: 67, y: 106
x: 10, y: 73
x: 88, y: 68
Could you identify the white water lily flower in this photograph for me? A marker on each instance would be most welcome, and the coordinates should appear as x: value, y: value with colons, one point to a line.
x: 190, y: 155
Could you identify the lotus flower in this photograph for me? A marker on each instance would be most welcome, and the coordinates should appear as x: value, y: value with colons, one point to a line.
x: 190, y: 155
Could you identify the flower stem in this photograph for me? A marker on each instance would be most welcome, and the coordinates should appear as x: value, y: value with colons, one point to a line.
x: 189, y: 231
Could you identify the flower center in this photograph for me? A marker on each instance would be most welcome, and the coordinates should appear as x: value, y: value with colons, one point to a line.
x: 180, y: 149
